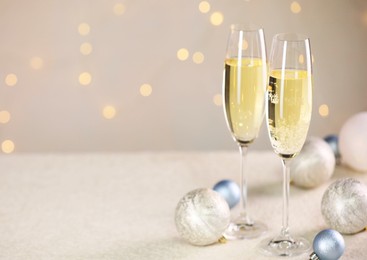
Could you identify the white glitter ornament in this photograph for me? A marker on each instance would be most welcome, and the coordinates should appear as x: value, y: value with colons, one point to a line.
x: 314, y: 165
x: 202, y: 216
x: 353, y: 142
x: 344, y: 206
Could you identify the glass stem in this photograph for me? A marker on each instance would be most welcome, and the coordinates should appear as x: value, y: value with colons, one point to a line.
x: 243, y: 185
x: 286, y: 183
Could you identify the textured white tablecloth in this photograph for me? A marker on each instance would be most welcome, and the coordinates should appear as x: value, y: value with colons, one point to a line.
x: 121, y: 206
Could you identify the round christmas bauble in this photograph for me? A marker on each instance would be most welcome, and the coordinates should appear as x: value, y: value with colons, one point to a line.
x: 314, y: 165
x: 344, y: 206
x: 329, y: 245
x: 229, y: 190
x: 353, y: 142
x: 202, y: 216
x: 333, y: 141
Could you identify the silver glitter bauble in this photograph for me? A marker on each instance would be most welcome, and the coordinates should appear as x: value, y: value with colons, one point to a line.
x: 314, y: 165
x: 344, y: 206
x: 202, y: 216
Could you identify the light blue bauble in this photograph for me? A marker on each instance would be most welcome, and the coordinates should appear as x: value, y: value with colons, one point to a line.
x: 333, y: 141
x: 229, y: 190
x: 328, y: 245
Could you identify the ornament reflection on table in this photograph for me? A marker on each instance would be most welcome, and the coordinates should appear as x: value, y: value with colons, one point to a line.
x: 229, y: 190
x: 353, y: 142
x: 344, y: 206
x: 314, y: 165
x: 328, y: 245
x: 202, y: 216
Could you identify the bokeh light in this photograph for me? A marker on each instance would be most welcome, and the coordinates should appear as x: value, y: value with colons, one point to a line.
x: 146, y: 90
x: 218, y: 100
x: 301, y: 59
x: 244, y: 45
x: 36, y: 63
x: 4, y: 116
x: 11, y: 79
x: 86, y: 48
x: 85, y: 78
x: 119, y: 9
x: 182, y: 54
x: 109, y: 112
x: 364, y: 18
x: 216, y: 18
x: 83, y: 29
x: 324, y: 110
x: 204, y: 7
x: 295, y: 7
x: 198, y: 57
x: 7, y: 146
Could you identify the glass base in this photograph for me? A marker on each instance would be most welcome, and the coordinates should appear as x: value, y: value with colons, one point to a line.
x: 241, y: 228
x: 284, y: 246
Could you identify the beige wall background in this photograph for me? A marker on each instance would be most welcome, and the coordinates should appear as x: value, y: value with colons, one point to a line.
x: 45, y: 108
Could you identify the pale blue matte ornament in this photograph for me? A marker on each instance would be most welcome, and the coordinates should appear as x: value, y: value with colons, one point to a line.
x: 328, y: 245
x: 333, y: 141
x: 229, y: 190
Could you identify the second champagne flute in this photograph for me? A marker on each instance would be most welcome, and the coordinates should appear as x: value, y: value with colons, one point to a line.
x: 244, y: 90
x: 289, y: 109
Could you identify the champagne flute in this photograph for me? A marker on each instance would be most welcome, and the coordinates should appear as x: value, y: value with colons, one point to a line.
x: 289, y: 108
x: 244, y: 89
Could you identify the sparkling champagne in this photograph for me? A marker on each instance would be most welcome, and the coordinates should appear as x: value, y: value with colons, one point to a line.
x: 289, y: 110
x: 244, y: 97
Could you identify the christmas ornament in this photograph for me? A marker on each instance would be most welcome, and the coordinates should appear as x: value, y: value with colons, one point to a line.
x: 328, y: 245
x: 344, y: 206
x: 314, y: 165
x: 333, y: 142
x: 229, y: 190
x: 353, y: 142
x: 202, y: 216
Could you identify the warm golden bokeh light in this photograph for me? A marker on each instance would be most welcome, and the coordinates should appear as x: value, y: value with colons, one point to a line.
x: 182, y: 54
x: 85, y: 78
x: 312, y: 58
x: 364, y: 18
x: 4, y: 116
x: 109, y: 112
x: 84, y: 29
x: 324, y: 110
x: 204, y: 7
x: 11, y: 79
x: 244, y: 45
x: 146, y: 90
x: 295, y: 7
x: 7, y: 146
x: 119, y: 9
x: 198, y: 57
x: 218, y: 99
x: 86, y: 48
x: 36, y: 63
x: 216, y: 18
x: 301, y: 59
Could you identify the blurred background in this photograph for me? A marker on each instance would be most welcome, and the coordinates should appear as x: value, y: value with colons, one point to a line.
x: 127, y: 75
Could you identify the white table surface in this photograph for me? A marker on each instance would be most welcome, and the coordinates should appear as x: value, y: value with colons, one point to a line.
x: 121, y: 206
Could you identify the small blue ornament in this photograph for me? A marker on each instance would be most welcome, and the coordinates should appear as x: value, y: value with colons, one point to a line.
x: 333, y: 141
x: 328, y: 245
x: 229, y: 190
